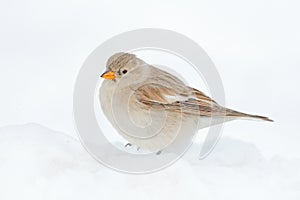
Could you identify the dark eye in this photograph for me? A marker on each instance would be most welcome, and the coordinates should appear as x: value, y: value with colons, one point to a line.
x: 124, y: 71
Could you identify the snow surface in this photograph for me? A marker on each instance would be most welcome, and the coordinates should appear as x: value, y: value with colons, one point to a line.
x: 39, y: 163
x: 255, y: 46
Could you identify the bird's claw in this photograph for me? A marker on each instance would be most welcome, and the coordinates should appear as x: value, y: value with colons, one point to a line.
x: 128, y: 145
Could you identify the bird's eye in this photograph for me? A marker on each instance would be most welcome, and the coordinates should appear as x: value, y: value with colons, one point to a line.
x: 124, y: 71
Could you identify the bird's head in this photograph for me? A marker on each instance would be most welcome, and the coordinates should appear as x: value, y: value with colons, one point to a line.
x: 119, y: 65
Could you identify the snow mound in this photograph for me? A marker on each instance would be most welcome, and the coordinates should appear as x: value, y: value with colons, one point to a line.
x: 39, y: 163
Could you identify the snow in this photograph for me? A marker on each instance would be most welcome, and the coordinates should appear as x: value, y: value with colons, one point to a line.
x: 39, y: 163
x: 255, y: 47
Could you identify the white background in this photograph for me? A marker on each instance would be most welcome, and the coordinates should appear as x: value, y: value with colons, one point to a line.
x: 255, y: 46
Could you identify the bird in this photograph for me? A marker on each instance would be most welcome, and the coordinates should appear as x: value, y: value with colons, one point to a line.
x: 151, y: 108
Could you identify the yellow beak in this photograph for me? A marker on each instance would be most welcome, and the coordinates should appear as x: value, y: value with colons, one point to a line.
x: 109, y: 75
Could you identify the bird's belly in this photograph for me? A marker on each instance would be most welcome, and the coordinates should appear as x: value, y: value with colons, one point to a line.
x: 169, y: 129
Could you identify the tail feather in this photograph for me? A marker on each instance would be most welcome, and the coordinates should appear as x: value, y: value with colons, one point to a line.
x: 233, y: 113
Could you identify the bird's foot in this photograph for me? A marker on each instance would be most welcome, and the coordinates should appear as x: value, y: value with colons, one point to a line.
x: 159, y: 152
x: 127, y: 145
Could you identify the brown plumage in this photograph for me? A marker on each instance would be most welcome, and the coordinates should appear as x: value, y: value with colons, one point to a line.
x: 152, y: 95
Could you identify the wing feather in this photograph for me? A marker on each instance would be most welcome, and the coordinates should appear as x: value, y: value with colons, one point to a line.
x: 185, y: 100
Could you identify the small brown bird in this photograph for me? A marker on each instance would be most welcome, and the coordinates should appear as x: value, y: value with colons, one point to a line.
x: 150, y: 107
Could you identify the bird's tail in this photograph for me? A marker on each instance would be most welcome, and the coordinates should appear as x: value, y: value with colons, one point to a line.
x: 233, y: 113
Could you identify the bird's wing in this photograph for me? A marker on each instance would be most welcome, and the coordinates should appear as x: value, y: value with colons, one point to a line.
x: 185, y: 100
